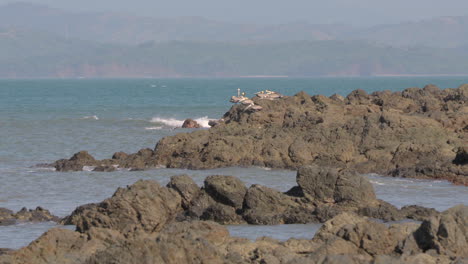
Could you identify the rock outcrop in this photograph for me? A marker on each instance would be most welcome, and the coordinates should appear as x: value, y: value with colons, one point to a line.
x: 332, y: 185
x: 8, y: 217
x: 148, y: 223
x: 413, y: 133
x: 347, y: 238
x: 144, y: 206
x: 190, y: 123
x: 419, y: 133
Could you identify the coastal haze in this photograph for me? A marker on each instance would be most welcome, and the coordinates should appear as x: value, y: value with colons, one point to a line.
x: 60, y: 39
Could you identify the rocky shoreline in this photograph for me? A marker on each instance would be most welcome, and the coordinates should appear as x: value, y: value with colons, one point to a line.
x: 149, y: 223
x: 330, y: 141
x: 8, y: 217
x: 418, y: 133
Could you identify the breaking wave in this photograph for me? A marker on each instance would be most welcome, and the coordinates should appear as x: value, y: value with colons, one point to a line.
x: 172, y: 122
x: 94, y: 117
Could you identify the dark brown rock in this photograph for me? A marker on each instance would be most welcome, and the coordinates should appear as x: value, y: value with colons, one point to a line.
x: 144, y: 206
x: 350, y: 234
x: 331, y: 185
x: 76, y: 162
x: 120, y: 156
x: 213, y: 123
x: 413, y: 133
x: 105, y: 168
x: 228, y: 190
x: 186, y: 187
x: 138, y: 225
x: 179, y: 243
x: 8, y: 217
x: 446, y: 234
x: 63, y: 246
x: 419, y: 213
x: 263, y: 205
x: 222, y: 214
x: 190, y: 123
x: 384, y: 211
x: 380, y: 133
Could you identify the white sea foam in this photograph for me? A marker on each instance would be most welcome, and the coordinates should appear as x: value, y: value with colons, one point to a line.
x: 172, y: 122
x: 377, y: 183
x: 203, y: 121
x: 153, y: 128
x: 88, y: 168
x: 94, y: 117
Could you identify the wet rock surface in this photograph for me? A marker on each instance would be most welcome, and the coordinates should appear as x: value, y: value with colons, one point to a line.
x: 420, y: 133
x: 8, y: 217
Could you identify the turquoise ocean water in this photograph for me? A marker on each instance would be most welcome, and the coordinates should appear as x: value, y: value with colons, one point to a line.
x: 45, y: 120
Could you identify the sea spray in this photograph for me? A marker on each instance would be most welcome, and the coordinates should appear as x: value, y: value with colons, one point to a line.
x: 172, y: 122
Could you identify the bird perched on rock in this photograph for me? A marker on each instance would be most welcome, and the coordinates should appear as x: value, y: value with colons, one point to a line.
x: 270, y: 95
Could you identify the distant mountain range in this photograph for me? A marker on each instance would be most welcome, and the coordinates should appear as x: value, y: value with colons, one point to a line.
x: 126, y: 29
x: 444, y: 32
x: 38, y: 41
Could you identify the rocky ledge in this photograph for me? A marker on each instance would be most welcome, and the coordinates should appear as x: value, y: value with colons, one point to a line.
x: 321, y: 194
x: 147, y: 223
x: 8, y: 217
x: 420, y: 133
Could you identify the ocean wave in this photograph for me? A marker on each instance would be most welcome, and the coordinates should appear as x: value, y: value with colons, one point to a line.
x: 94, y: 117
x: 172, y: 122
x: 153, y: 128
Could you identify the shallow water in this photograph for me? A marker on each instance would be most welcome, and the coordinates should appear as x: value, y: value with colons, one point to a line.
x: 279, y: 232
x: 45, y: 120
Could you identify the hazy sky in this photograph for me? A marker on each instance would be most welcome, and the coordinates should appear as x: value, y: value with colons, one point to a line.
x: 276, y: 11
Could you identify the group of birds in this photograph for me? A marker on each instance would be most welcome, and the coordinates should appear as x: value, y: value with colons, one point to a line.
x: 250, y: 105
x: 270, y: 95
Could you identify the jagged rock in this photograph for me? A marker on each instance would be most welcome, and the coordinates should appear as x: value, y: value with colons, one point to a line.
x: 228, y: 190
x: 179, y: 243
x: 119, y: 156
x: 213, y: 123
x: 350, y: 234
x: 222, y: 214
x: 413, y: 133
x: 384, y: 211
x: 63, y: 246
x: 138, y: 225
x: 8, y: 217
x: 76, y: 162
x: 381, y: 133
x: 190, y: 123
x: 186, y: 187
x: 325, y: 212
x: 105, y: 168
x: 199, y: 205
x: 332, y: 185
x: 446, y: 234
x: 419, y: 213
x: 263, y: 205
x: 144, y: 206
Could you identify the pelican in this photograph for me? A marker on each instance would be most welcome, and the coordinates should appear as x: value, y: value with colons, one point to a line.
x: 247, y: 102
